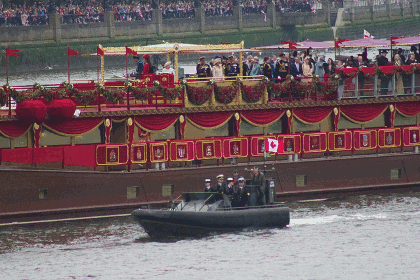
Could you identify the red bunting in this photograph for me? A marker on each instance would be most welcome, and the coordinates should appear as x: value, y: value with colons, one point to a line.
x: 99, y: 51
x: 338, y: 42
x: 130, y: 51
x: 393, y: 42
x: 12, y: 52
x: 291, y: 44
x: 72, y: 52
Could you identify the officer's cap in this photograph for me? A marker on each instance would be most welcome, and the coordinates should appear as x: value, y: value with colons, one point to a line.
x: 241, y: 179
x: 256, y: 167
x: 220, y: 176
x: 202, y: 58
x: 281, y: 54
x: 235, y: 171
x: 232, y: 56
x: 384, y: 51
x: 208, y: 181
x: 224, y: 57
x: 230, y: 179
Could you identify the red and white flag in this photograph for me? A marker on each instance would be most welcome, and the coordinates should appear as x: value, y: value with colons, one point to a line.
x: 367, y: 34
x: 273, y: 145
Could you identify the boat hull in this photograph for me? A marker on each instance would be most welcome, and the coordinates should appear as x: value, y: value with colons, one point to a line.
x: 160, y: 223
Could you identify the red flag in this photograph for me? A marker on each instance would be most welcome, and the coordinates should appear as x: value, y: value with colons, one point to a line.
x: 130, y: 51
x: 225, y: 42
x: 338, y: 42
x: 291, y: 44
x: 393, y: 42
x: 71, y: 52
x: 12, y: 52
x: 99, y: 51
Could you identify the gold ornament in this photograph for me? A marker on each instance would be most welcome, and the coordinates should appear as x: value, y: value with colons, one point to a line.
x: 335, y: 111
x: 36, y: 126
x: 130, y: 121
x: 181, y: 119
x: 391, y: 108
x: 288, y: 113
x: 237, y: 116
x: 107, y: 122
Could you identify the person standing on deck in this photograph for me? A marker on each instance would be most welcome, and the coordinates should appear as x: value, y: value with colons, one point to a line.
x: 207, y: 186
x: 139, y: 68
x: 220, y: 185
x: 203, y: 69
x: 258, y: 180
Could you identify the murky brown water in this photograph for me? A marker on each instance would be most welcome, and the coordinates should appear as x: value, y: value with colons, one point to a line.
x: 361, y: 237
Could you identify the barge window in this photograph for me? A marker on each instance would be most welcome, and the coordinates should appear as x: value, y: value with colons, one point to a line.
x: 49, y: 138
x: 249, y: 129
x: 378, y: 122
x: 218, y: 132
x: 91, y: 137
x: 302, y: 127
x: 21, y: 141
x: 43, y: 193
x: 395, y: 174
x: 301, y: 180
x: 402, y: 120
x: 4, y: 142
x: 163, y: 135
x: 132, y: 192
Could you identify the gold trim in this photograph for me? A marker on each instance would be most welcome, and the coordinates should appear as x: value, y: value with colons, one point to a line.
x: 366, y: 132
x: 389, y: 130
x: 186, y: 152
x: 409, y: 139
x: 335, y: 111
x: 288, y: 113
x: 354, y: 121
x: 344, y: 134
x: 36, y: 126
x: 237, y: 116
x: 147, y: 130
x: 107, y: 122
x: 130, y: 121
x: 265, y: 125
x: 391, y: 108
x: 302, y: 121
x: 64, y: 134
x: 106, y: 154
x: 181, y: 119
x: 315, y: 134
x: 145, y: 153
x: 165, y: 144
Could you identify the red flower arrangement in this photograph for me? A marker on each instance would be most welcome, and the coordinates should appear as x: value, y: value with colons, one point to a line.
x: 144, y: 94
x: 85, y: 97
x: 199, y: 95
x: 252, y: 94
x: 170, y: 93
x: 225, y: 94
x: 114, y: 96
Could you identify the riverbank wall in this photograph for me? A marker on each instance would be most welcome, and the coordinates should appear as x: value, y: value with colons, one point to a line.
x: 45, y: 47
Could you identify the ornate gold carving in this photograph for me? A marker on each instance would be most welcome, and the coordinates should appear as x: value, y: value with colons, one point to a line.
x: 107, y: 122
x: 181, y: 119
x: 335, y: 111
x: 237, y: 116
x: 288, y: 113
x: 130, y: 121
x: 391, y: 108
x: 36, y: 126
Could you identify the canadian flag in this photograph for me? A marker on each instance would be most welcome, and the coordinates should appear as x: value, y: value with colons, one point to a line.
x: 273, y: 145
x: 367, y: 34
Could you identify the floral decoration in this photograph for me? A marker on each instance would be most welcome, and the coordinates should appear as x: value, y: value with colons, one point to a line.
x: 252, y: 94
x: 144, y: 94
x: 85, y: 97
x: 113, y: 95
x: 19, y: 96
x: 199, y: 95
x: 225, y: 94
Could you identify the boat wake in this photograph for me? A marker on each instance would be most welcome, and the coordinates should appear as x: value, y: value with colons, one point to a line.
x: 336, y: 218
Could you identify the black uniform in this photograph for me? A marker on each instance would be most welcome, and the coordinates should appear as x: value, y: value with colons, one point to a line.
x: 383, y: 61
x: 240, y: 196
x: 139, y: 70
x: 232, y: 69
x: 282, y: 68
x: 220, y: 188
x: 203, y: 71
x: 267, y: 71
x: 209, y: 189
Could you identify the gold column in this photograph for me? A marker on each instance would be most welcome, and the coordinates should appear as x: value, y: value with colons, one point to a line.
x: 176, y: 64
x: 103, y: 69
x: 168, y: 57
x: 241, y: 66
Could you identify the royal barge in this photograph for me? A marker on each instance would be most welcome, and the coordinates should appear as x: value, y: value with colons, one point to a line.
x: 143, y: 142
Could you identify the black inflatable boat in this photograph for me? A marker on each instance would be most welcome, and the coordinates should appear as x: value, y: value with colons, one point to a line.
x: 203, y: 213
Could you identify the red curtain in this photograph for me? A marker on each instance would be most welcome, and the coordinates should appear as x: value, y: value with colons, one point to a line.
x: 14, y: 128
x: 209, y: 120
x: 363, y: 113
x: 31, y: 110
x: 83, y: 155
x: 262, y: 117
x: 311, y: 115
x: 407, y: 108
x: 73, y: 126
x: 61, y: 109
x: 156, y: 122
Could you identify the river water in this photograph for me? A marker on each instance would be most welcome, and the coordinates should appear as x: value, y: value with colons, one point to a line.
x: 358, y: 237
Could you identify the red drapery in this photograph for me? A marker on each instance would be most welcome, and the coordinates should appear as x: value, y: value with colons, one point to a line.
x: 73, y: 126
x: 31, y: 110
x: 312, y: 115
x: 83, y: 155
x: 156, y: 122
x: 389, y: 70
x: 61, y: 109
x: 368, y: 71
x: 14, y: 128
x: 262, y: 117
x: 407, y: 108
x: 209, y: 120
x: 48, y: 154
x: 22, y: 155
x: 363, y: 113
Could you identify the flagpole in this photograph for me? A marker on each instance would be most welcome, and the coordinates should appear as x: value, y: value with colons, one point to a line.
x: 7, y: 83
x: 68, y: 63
x: 335, y: 51
x: 391, y: 48
x: 97, y: 63
x: 7, y: 67
x: 126, y: 64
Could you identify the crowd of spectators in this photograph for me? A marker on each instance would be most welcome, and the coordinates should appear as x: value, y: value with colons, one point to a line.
x: 92, y: 10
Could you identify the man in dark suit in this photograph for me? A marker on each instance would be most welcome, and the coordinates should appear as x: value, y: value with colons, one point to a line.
x: 383, y: 61
x: 296, y: 69
x: 361, y: 77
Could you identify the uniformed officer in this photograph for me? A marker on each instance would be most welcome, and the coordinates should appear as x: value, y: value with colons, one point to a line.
x: 235, y: 176
x: 258, y: 180
x: 139, y: 67
x: 203, y: 69
x: 229, y: 186
x: 207, y: 186
x: 232, y: 67
x: 240, y: 196
x: 220, y: 185
x: 282, y: 67
x: 267, y: 71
